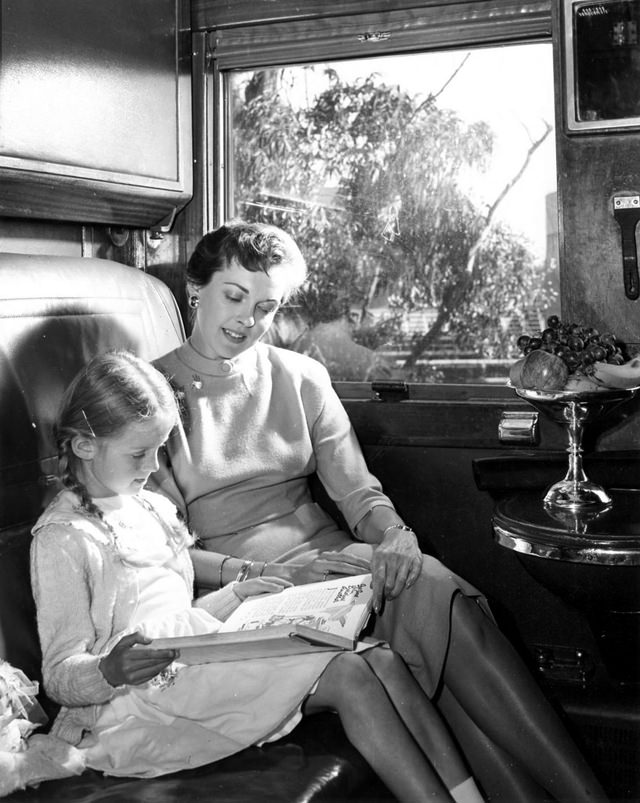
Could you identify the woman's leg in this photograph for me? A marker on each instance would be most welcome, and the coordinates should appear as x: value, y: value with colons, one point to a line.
x: 349, y: 686
x: 500, y: 776
x: 421, y: 717
x: 486, y: 677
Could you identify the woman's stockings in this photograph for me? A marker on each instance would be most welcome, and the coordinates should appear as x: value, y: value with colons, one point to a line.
x: 372, y: 723
x: 518, y: 732
x: 499, y: 774
x: 425, y: 723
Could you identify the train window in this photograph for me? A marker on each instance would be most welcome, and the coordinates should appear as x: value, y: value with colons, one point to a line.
x: 422, y: 190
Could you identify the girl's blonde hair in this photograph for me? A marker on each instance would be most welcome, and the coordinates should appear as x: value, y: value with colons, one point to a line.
x: 112, y: 391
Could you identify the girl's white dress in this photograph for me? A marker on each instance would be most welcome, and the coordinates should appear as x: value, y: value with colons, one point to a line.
x: 191, y: 715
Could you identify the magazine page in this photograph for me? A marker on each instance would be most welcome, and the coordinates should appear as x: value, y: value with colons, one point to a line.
x: 340, y: 606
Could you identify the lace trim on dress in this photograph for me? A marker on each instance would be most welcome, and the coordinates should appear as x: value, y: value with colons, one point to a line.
x: 133, y: 554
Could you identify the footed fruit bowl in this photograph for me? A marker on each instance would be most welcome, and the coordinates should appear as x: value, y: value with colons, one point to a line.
x: 574, y: 409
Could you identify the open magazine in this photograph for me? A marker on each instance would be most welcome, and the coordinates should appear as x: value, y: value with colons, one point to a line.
x: 317, y: 616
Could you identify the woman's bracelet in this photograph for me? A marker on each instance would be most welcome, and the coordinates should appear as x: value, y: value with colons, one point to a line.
x: 397, y: 527
x: 244, y: 571
x: 264, y: 566
x: 222, y: 562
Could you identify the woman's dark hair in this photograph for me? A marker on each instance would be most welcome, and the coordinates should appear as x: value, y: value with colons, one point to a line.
x: 255, y: 246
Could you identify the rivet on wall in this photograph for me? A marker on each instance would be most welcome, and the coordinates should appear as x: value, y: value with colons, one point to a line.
x: 118, y: 235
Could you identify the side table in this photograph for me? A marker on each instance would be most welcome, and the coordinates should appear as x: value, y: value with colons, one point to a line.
x: 590, y: 559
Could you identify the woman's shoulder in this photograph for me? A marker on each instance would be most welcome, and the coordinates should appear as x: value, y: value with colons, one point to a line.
x: 294, y: 362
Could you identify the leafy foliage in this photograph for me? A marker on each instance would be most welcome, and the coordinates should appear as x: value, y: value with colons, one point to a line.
x: 398, y: 224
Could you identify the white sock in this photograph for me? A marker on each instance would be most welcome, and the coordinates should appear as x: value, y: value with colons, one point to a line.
x: 466, y: 792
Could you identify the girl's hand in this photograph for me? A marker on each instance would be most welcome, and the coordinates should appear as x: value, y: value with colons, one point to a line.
x: 321, y: 567
x: 260, y: 585
x: 132, y: 665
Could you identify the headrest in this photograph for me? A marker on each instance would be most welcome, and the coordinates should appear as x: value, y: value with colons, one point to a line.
x: 55, y: 314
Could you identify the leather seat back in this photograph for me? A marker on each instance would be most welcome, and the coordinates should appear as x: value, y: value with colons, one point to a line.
x: 55, y: 314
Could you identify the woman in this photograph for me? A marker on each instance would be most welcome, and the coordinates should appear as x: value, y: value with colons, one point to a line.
x: 257, y: 422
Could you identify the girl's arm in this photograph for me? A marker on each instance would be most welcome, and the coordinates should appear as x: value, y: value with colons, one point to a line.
x: 223, y: 603
x: 60, y: 578
x: 214, y: 570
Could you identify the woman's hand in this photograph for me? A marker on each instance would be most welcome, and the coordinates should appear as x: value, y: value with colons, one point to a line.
x: 326, y: 564
x: 260, y: 585
x: 128, y: 664
x: 396, y: 565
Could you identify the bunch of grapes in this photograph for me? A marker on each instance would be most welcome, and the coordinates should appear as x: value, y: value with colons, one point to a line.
x: 578, y: 346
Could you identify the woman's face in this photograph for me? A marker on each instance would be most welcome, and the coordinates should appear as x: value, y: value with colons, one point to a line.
x: 236, y: 308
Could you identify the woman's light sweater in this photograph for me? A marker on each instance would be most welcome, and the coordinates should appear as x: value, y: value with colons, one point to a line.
x: 255, y: 429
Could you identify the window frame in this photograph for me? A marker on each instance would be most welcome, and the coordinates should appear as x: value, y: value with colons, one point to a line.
x: 445, y: 25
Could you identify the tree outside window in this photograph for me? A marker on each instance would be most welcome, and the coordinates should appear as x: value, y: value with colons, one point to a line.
x: 413, y: 272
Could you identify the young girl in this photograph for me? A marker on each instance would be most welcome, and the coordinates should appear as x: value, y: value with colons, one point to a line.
x: 111, y: 570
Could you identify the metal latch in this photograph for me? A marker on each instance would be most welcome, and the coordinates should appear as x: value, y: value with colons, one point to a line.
x: 390, y: 391
x: 518, y: 427
x: 564, y: 664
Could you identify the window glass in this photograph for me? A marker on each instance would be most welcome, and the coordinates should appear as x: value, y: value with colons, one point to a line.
x: 422, y: 191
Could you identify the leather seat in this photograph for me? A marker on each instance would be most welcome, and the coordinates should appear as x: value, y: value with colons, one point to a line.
x: 56, y: 313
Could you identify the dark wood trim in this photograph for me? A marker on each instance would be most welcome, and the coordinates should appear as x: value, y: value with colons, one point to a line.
x: 467, y: 425
x: 395, y: 31
x: 45, y: 195
x: 209, y: 14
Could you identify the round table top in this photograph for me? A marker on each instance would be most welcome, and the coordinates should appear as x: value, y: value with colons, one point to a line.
x: 607, y: 536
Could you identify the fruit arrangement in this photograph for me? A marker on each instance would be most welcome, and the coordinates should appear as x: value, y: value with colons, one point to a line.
x: 573, y: 358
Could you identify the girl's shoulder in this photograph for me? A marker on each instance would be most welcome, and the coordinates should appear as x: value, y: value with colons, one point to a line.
x: 65, y: 512
x: 63, y: 509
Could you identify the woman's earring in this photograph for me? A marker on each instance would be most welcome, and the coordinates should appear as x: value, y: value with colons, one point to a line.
x: 194, y: 302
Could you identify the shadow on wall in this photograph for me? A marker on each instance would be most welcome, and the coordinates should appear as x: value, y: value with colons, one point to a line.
x: 35, y: 369
x: 37, y: 362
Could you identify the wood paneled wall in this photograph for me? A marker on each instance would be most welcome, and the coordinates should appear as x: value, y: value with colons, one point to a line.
x: 592, y: 168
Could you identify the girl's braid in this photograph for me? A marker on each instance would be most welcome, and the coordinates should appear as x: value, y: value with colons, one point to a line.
x: 70, y: 480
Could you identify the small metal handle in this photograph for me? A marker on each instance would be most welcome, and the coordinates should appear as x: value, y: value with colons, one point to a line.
x: 518, y: 427
x: 626, y: 210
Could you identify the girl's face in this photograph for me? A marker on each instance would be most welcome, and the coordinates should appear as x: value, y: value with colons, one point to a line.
x: 236, y: 308
x: 121, y: 464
